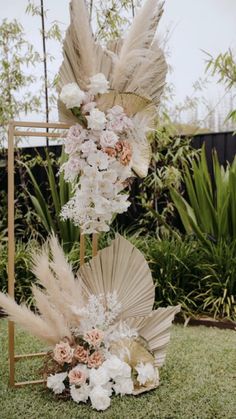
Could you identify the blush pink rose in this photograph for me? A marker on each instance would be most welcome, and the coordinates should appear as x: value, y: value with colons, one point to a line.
x: 78, y: 375
x: 124, y: 151
x: 80, y: 354
x: 63, y: 353
x: 95, y: 360
x: 94, y: 337
x: 110, y: 151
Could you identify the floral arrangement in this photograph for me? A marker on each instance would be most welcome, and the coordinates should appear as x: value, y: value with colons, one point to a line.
x: 105, y: 339
x: 99, y: 157
x: 98, y: 359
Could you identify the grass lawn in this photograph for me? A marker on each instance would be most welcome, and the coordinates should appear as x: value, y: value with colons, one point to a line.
x: 197, y: 381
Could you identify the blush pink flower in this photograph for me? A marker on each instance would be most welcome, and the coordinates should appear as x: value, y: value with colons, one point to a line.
x: 95, y: 360
x: 80, y: 354
x: 94, y: 337
x: 78, y: 375
x: 63, y: 353
x: 124, y: 151
x: 110, y: 151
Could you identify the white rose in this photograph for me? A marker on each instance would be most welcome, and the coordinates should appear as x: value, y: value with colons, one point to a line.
x: 55, y: 382
x: 80, y: 394
x: 98, y: 376
x: 98, y: 84
x: 96, y: 119
x: 108, y: 139
x: 117, y: 368
x: 146, y: 372
x: 123, y: 386
x: 100, y: 398
x: 72, y: 96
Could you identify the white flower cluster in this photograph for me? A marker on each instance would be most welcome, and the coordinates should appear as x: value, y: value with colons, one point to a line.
x: 101, y: 311
x: 98, y: 384
x: 99, y: 158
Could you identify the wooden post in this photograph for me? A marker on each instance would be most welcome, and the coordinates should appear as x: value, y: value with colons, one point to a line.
x: 82, y: 248
x: 95, y: 244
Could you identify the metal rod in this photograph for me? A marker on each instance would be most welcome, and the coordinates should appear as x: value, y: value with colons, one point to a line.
x: 11, y: 247
x: 45, y: 68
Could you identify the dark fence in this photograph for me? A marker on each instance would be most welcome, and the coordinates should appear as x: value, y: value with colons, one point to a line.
x: 224, y: 143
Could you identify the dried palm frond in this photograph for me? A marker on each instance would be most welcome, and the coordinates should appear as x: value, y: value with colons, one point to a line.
x: 121, y: 268
x: 132, y: 103
x: 155, y: 329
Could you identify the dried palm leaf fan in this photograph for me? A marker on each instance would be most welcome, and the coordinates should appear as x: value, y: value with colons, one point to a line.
x: 135, y: 68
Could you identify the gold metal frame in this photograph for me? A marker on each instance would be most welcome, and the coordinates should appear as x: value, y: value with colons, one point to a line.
x: 14, y: 131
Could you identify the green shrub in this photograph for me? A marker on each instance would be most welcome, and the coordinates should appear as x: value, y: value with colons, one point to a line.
x: 175, y: 268
x: 218, y: 283
x: 59, y: 193
x: 202, y: 279
x: 209, y: 211
x: 23, y: 276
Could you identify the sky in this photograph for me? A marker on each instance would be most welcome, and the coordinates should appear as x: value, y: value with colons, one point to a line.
x: 193, y: 25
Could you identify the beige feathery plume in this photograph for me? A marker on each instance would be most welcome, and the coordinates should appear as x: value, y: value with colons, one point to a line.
x: 31, y: 322
x: 64, y: 292
x: 136, y: 46
x: 149, y: 80
x: 78, y: 48
x: 54, y: 318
